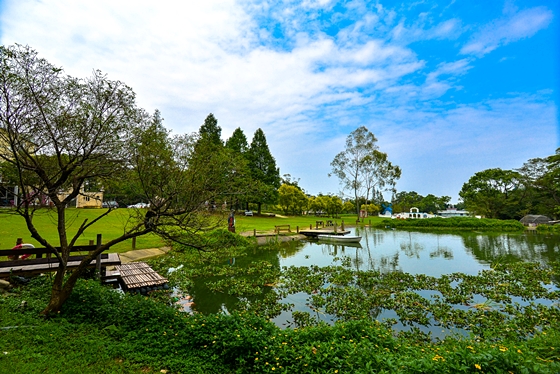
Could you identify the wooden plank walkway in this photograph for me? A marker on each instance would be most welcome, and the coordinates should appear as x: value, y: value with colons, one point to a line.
x: 139, y: 274
x: 42, y: 265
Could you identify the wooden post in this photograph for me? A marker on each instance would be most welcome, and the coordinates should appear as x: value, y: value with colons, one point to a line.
x: 98, y: 259
x: 254, y: 232
x: 297, y: 229
x: 134, y: 243
x: 342, y: 225
x: 91, y: 242
x: 335, y: 224
x: 370, y: 222
x: 310, y: 226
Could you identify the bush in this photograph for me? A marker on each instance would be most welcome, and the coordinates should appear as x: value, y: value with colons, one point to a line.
x: 454, y: 223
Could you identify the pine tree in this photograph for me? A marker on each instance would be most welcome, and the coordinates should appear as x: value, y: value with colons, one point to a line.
x: 263, y: 169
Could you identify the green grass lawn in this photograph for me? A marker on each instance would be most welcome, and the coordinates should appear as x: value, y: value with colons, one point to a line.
x: 266, y: 224
x: 13, y: 226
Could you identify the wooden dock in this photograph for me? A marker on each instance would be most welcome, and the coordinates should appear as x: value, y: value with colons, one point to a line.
x: 138, y: 276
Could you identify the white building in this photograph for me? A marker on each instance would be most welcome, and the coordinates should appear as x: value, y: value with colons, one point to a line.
x: 414, y: 214
x: 452, y: 213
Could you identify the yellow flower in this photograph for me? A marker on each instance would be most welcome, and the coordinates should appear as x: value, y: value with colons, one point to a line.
x: 469, y: 347
x: 438, y: 357
x: 478, y: 366
x: 273, y: 368
x: 503, y: 349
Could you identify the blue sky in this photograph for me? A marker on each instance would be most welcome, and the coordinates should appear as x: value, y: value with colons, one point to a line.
x: 448, y: 88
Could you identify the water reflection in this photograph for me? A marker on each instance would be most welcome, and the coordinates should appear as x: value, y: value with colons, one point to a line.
x: 384, y: 251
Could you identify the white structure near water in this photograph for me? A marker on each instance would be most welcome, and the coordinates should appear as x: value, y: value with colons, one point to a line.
x: 414, y: 214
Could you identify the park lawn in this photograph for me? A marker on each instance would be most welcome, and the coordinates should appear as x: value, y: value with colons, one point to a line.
x: 265, y: 224
x: 12, y: 226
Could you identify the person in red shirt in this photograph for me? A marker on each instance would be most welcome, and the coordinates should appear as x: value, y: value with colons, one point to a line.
x: 21, y: 245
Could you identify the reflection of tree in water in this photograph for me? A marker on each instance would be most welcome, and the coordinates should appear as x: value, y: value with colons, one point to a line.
x: 362, y: 255
x: 410, y: 248
x: 443, y: 252
x: 289, y: 249
x: 513, y: 247
x: 207, y: 301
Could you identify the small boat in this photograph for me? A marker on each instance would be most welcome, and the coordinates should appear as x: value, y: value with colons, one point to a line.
x: 340, y: 238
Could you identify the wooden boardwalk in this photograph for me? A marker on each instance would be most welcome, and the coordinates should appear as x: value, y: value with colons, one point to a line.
x: 137, y: 275
x: 43, y: 265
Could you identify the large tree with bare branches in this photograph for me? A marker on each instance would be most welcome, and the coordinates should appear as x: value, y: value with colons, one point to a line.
x: 58, y: 133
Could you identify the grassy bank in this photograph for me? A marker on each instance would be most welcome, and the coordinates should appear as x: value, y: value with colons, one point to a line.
x: 101, y: 331
x: 460, y: 223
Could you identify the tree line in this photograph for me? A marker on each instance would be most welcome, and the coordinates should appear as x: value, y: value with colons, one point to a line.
x: 534, y: 188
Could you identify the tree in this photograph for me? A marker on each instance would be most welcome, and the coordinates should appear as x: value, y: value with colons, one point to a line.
x: 431, y: 203
x: 238, y: 142
x: 264, y: 173
x: 494, y: 193
x: 361, y: 167
x: 292, y: 199
x: 58, y: 132
x: 403, y: 201
x: 348, y: 206
x: 210, y: 131
x: 542, y: 178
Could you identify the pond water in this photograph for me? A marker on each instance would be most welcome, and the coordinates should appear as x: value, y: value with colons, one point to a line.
x: 429, y: 253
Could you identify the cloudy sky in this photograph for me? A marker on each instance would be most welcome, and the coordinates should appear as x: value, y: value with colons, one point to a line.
x: 449, y: 88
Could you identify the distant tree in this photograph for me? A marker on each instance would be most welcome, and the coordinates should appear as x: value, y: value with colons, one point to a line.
x: 361, y: 167
x: 371, y: 209
x: 379, y: 174
x: 264, y: 173
x: 334, y: 206
x: 348, y: 206
x: 238, y: 142
x: 316, y: 204
x: 494, y: 193
x: 292, y: 199
x: 542, y: 178
x: 403, y: 201
x: 210, y: 131
x: 431, y: 203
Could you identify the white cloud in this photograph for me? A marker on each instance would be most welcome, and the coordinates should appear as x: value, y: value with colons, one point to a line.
x: 306, y: 91
x: 513, y: 27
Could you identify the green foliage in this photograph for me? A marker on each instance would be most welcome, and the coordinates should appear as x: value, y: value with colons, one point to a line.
x: 495, y: 193
x: 362, y: 168
x: 210, y: 131
x: 102, y: 331
x: 292, y: 199
x: 238, y: 142
x: 454, y: 223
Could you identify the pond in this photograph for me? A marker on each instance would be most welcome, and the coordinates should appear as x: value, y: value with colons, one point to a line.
x: 433, y: 254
